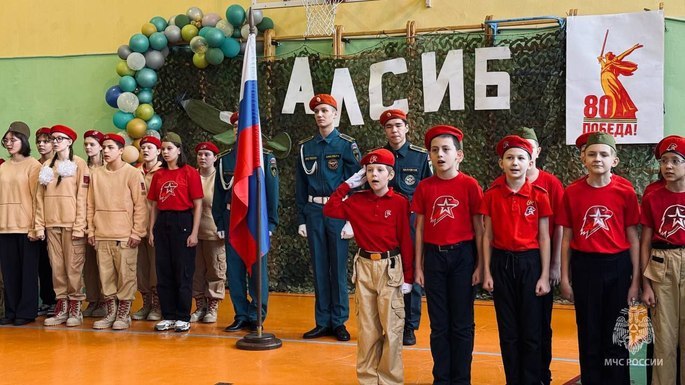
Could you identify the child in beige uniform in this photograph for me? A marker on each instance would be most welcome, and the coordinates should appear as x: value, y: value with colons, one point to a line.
x: 47, y: 293
x: 61, y: 213
x: 117, y: 221
x: 209, y: 280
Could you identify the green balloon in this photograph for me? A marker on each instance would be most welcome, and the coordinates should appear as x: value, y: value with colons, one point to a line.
x: 266, y: 23
x: 121, y: 119
x: 139, y: 43
x: 203, y: 31
x: 237, y: 34
x: 235, y: 14
x: 146, y: 77
x: 214, y: 37
x: 181, y: 20
x: 158, y: 41
x: 214, y: 56
x: 159, y: 23
x: 230, y: 47
x: 127, y: 83
x: 123, y: 70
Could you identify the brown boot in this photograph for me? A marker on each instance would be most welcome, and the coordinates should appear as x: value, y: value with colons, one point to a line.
x: 61, y: 314
x: 155, y: 310
x: 200, y: 309
x: 108, y: 320
x: 143, y: 312
x: 123, y: 320
x: 212, y: 310
x: 75, y: 316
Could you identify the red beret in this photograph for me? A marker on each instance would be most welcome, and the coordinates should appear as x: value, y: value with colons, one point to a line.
x: 94, y: 134
x: 657, y: 154
x: 379, y: 156
x: 511, y: 141
x: 207, y: 146
x: 43, y: 131
x: 392, y: 114
x: 151, y: 140
x: 674, y: 144
x: 442, y: 130
x: 64, y: 130
x: 582, y: 140
x: 234, y: 118
x: 323, y: 99
x: 115, y: 137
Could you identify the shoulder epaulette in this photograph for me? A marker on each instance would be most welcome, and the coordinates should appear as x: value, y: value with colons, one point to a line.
x: 305, y: 140
x: 418, y: 148
x: 267, y: 151
x: 224, y: 152
x: 347, y: 138
x: 539, y: 188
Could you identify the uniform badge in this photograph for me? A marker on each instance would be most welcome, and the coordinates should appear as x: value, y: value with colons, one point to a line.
x: 672, y: 221
x: 142, y: 186
x: 409, y: 180
x: 332, y: 164
x: 530, y: 210
x: 595, y: 219
x: 355, y: 151
x: 272, y: 167
x: 86, y: 179
x: 167, y: 190
x: 442, y: 208
x: 388, y: 213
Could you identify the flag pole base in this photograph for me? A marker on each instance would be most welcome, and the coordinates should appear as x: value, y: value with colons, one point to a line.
x: 253, y: 341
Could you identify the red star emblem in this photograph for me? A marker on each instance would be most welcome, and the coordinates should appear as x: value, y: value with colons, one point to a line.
x: 442, y: 208
x: 672, y: 220
x: 596, y: 218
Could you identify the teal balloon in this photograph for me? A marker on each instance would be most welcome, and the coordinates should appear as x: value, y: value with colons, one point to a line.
x: 203, y: 31
x: 155, y: 123
x: 214, y: 56
x: 146, y: 78
x: 159, y: 23
x: 230, y: 47
x: 145, y: 95
x: 266, y: 23
x: 127, y: 83
x: 158, y: 41
x: 121, y: 119
x: 237, y: 34
x: 214, y: 37
x: 139, y: 43
x: 235, y: 14
x: 181, y: 20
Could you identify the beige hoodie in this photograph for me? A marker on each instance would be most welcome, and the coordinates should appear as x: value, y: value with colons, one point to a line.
x: 18, y: 182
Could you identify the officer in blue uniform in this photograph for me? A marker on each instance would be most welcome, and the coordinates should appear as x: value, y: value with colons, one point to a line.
x: 411, y: 166
x: 325, y: 161
x: 245, y: 312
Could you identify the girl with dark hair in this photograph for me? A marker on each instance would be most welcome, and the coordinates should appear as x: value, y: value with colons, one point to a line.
x: 18, y: 251
x: 176, y: 195
x: 61, y: 213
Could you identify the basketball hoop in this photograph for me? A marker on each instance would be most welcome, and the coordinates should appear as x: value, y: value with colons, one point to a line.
x: 320, y: 16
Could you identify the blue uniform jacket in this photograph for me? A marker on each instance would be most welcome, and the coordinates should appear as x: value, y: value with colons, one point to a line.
x: 411, y: 166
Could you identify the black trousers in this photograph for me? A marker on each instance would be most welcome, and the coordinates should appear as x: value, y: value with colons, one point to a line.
x: 519, y: 313
x: 450, y: 296
x: 546, y: 337
x: 175, y: 263
x: 600, y: 290
x: 47, y: 292
x: 19, y: 263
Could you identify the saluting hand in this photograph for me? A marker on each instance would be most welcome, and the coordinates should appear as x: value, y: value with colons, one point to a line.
x: 358, y: 179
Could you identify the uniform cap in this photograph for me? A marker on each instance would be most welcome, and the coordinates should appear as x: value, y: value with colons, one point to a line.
x: 442, y: 130
x: 152, y: 140
x: 97, y: 135
x: 392, y: 114
x: 115, y: 137
x: 526, y: 133
x: 64, y: 130
x: 601, y: 138
x: 379, y: 156
x: 674, y: 144
x: 207, y: 146
x: 657, y: 155
x: 513, y: 141
x: 20, y: 128
x: 172, y: 137
x: 582, y: 140
x: 43, y: 131
x: 323, y: 99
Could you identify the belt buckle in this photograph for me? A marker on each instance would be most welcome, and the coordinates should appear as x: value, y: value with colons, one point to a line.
x: 375, y: 256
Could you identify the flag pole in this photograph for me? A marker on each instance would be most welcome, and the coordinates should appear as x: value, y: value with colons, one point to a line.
x: 258, y: 340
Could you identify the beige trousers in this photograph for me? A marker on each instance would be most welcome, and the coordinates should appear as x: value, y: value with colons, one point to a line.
x: 209, y: 279
x: 117, y: 266
x: 147, y: 272
x: 666, y: 270
x: 91, y: 276
x: 66, y: 259
x: 380, y: 320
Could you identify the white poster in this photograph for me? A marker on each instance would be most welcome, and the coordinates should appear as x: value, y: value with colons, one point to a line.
x: 615, y: 76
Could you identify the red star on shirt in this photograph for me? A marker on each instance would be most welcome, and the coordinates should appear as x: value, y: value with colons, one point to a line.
x: 167, y: 190
x: 672, y: 220
x: 596, y: 218
x: 442, y: 208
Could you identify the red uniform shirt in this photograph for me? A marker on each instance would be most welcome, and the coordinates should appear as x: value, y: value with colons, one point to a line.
x: 654, y: 186
x: 448, y: 207
x: 664, y: 211
x: 599, y: 216
x: 175, y: 190
x: 615, y: 177
x: 515, y: 216
x: 379, y: 223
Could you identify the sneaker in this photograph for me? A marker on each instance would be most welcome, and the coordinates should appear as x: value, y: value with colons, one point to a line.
x: 43, y: 309
x: 51, y: 310
x: 182, y: 326
x: 409, y: 338
x: 165, y: 325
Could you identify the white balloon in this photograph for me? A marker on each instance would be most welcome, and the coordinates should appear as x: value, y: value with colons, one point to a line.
x: 245, y: 31
x: 225, y: 27
x: 153, y: 133
x: 135, y: 61
x: 173, y: 34
x: 257, y: 15
x: 128, y: 102
x: 195, y: 13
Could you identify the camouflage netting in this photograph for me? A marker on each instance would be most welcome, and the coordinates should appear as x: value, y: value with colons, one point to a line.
x: 537, y: 78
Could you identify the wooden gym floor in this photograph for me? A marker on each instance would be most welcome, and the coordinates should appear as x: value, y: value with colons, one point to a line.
x: 34, y: 354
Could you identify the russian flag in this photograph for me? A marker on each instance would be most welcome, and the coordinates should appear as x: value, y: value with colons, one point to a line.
x: 249, y: 225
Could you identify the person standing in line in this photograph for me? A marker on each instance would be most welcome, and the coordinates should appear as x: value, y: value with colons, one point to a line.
x: 47, y: 292
x: 146, y: 271
x: 325, y: 161
x: 176, y: 195
x: 19, y: 251
x: 61, y: 219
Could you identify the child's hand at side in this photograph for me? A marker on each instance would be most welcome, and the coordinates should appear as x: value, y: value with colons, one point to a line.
x: 542, y: 287
x: 488, y: 283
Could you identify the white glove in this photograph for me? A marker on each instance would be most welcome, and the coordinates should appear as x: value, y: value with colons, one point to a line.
x: 358, y: 179
x: 221, y: 234
x: 406, y: 288
x: 302, y: 230
x: 347, y: 232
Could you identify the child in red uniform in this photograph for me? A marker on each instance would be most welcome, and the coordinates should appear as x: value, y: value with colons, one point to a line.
x: 449, y: 228
x: 380, y: 220
x: 662, y: 258
x: 581, y: 144
x: 176, y: 195
x: 660, y: 182
x: 600, y: 253
x: 516, y: 249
